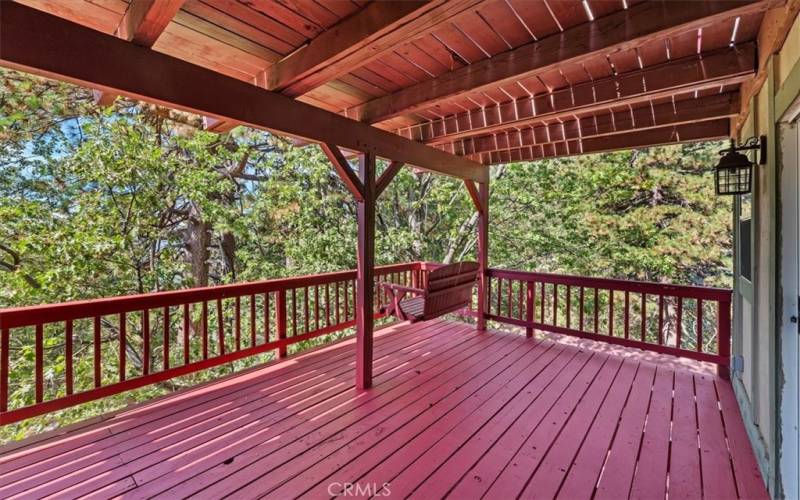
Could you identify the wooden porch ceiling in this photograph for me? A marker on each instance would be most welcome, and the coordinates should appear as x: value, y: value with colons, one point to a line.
x: 488, y: 80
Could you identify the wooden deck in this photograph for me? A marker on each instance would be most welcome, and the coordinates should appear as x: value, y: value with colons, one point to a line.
x: 452, y: 413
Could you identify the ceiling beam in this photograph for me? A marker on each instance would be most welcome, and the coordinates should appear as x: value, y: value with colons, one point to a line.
x: 622, y: 30
x: 691, y: 132
x: 725, y: 67
x: 40, y: 43
x: 603, y: 124
x: 145, y: 20
x: 142, y: 24
x: 379, y: 28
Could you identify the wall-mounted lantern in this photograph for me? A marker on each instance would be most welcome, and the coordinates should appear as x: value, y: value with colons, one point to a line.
x: 734, y: 172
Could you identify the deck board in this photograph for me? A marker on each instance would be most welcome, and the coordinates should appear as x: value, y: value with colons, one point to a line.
x: 453, y: 412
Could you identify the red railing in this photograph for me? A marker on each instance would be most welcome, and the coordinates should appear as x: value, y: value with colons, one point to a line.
x: 630, y: 313
x: 168, y: 334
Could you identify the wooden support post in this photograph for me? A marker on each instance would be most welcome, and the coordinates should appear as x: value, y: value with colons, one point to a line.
x: 483, y: 252
x: 365, y: 275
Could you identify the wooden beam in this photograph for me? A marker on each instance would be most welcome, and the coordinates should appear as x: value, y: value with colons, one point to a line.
x: 623, y: 30
x: 314, y: 64
x: 723, y: 67
x: 142, y: 24
x: 483, y: 254
x: 145, y: 20
x: 365, y: 296
x: 386, y: 177
x: 692, y: 132
x: 472, y: 189
x: 645, y: 117
x: 346, y: 174
x: 36, y: 42
x: 378, y: 29
x: 775, y: 27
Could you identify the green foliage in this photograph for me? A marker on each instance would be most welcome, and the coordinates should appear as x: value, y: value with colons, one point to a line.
x: 136, y: 199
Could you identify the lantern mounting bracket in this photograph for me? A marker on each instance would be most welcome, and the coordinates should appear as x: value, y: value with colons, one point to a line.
x: 752, y: 144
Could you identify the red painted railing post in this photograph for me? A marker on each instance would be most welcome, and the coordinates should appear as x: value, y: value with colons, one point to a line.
x: 280, y: 315
x: 483, y: 254
x: 724, y: 337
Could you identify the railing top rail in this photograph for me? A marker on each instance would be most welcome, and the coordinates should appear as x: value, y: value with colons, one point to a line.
x: 49, y: 313
x: 648, y: 287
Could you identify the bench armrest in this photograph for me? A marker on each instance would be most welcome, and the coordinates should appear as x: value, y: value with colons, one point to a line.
x: 393, y: 287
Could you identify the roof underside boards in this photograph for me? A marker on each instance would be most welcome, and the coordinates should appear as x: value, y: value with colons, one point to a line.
x: 492, y: 80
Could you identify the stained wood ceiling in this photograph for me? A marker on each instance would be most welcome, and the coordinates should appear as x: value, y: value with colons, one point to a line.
x: 492, y: 80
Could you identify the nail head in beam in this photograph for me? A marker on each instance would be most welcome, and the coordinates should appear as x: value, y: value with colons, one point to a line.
x: 342, y: 167
x: 46, y: 45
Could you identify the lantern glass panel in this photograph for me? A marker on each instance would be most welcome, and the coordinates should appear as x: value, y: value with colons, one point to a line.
x: 733, y: 180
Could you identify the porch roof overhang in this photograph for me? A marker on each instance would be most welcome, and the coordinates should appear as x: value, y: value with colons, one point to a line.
x: 447, y: 86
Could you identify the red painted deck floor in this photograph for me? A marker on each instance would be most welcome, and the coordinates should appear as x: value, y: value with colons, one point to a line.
x: 452, y: 413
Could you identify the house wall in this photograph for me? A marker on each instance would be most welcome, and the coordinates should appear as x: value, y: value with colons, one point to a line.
x: 761, y: 307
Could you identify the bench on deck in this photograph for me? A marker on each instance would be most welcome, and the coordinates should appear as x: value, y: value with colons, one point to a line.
x: 449, y: 289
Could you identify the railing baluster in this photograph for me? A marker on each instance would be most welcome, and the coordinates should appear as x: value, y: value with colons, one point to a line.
x: 338, y: 305
x: 346, y: 301
x: 238, y: 323
x: 542, y: 300
x: 5, y: 345
x: 68, y: 356
x: 580, y: 311
x: 499, y: 295
x: 252, y: 321
x: 569, y: 306
x: 327, y: 305
x: 39, y: 363
x: 294, y: 312
x: 699, y: 325
x: 280, y: 314
x: 531, y: 286
x: 596, y: 311
x: 146, y: 338
x: 520, y: 302
x: 488, y: 299
x: 186, y: 327
x: 220, y: 328
x: 266, y: 316
x: 123, y: 345
x: 98, y: 352
x: 611, y: 313
x: 660, y: 320
x: 627, y: 315
x: 316, y: 307
x: 679, y: 326
x: 510, y: 301
x: 204, y: 321
x: 555, y: 304
x: 166, y: 337
x: 644, y: 317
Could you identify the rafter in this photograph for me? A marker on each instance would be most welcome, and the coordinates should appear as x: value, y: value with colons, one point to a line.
x: 691, y: 132
x: 619, y: 31
x: 36, y: 42
x: 142, y: 24
x: 726, y: 67
x: 604, y: 124
x: 145, y: 20
x: 359, y: 39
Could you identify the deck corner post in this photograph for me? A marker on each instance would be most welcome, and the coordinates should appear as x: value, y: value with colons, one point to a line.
x: 365, y: 272
x: 483, y: 253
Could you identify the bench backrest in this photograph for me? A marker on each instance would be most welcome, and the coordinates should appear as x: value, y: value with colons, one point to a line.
x: 450, y: 288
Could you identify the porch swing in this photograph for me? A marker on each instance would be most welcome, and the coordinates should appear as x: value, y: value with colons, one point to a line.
x: 448, y: 289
